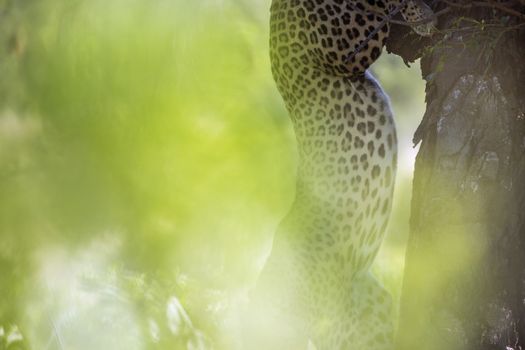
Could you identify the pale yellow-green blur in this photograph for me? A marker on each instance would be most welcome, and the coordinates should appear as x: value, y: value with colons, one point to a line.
x: 146, y: 159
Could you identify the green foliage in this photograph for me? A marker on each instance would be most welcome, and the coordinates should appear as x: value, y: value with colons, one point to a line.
x: 144, y: 149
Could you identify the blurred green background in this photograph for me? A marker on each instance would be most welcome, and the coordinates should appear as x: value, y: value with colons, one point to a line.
x: 146, y: 159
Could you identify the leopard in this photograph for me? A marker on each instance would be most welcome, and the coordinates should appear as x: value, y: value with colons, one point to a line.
x: 316, y: 290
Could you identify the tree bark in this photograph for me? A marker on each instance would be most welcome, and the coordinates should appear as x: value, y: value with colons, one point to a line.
x: 464, y: 284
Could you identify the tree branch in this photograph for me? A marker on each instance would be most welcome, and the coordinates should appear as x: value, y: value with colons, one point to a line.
x: 386, y: 19
x: 495, y: 5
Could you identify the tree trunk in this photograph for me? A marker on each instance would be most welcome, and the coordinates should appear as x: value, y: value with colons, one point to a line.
x: 464, y: 285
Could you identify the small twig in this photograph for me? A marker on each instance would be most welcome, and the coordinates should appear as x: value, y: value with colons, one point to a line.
x: 495, y: 5
x: 383, y: 23
x: 56, y: 333
x: 486, y: 25
x: 423, y: 21
x: 386, y: 19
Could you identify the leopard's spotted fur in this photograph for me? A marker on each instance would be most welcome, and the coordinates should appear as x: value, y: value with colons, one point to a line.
x: 316, y: 286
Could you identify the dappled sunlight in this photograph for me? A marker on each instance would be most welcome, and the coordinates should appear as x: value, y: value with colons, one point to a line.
x: 78, y: 300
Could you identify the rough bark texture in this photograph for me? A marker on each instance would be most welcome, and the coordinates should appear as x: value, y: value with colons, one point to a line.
x: 464, y: 285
